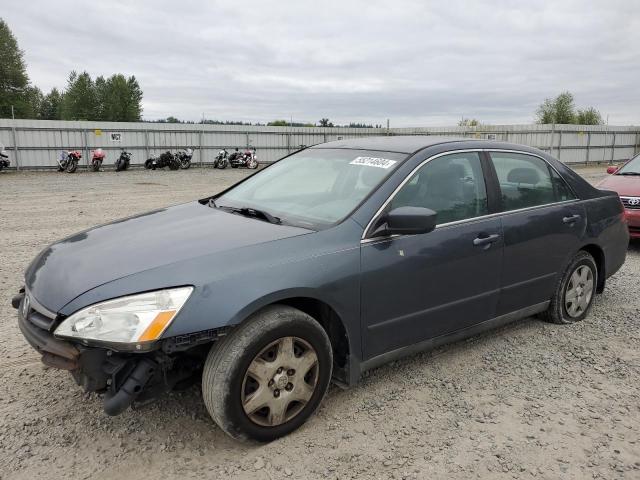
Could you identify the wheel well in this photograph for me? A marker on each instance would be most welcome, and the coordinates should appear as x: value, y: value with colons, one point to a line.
x: 333, y: 325
x: 598, y: 255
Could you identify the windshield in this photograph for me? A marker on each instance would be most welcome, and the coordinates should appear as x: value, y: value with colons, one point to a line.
x: 631, y: 168
x: 314, y: 188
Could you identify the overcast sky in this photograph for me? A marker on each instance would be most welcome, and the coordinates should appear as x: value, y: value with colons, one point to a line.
x: 419, y: 63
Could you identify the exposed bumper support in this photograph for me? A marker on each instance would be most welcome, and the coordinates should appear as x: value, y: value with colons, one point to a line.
x: 118, y: 402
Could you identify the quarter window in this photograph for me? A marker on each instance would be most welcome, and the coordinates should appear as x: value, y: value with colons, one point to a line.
x: 453, y: 186
x: 527, y: 181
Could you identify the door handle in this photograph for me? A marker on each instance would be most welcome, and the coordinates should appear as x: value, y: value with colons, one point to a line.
x: 571, y: 219
x: 486, y: 240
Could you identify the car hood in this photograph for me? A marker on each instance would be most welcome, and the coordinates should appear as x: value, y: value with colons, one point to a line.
x: 102, y: 254
x: 625, y: 185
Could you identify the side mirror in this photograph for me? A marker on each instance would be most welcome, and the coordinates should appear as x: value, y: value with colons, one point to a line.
x: 407, y: 221
x: 612, y: 170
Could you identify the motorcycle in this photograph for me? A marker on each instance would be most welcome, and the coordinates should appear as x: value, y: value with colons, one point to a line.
x: 222, y: 159
x: 4, y: 158
x: 166, y: 159
x: 123, y: 161
x: 97, y: 156
x: 248, y: 159
x: 185, y: 156
x: 68, y: 160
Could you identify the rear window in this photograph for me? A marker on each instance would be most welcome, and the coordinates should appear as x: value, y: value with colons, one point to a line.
x: 527, y: 181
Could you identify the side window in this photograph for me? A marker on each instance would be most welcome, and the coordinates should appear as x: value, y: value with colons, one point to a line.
x: 452, y: 186
x: 527, y: 181
x: 561, y: 190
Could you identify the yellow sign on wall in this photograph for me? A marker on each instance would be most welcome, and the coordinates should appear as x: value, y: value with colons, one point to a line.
x: 98, y: 132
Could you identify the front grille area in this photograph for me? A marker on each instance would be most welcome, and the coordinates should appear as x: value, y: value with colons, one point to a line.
x: 37, y: 318
x: 632, y: 203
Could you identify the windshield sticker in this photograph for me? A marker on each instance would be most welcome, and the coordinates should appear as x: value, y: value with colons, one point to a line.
x: 373, y: 162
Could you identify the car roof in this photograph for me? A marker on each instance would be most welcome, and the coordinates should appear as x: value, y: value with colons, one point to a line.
x: 393, y: 143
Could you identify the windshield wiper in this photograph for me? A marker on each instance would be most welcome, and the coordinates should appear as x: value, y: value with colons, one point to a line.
x: 212, y: 203
x: 255, y: 213
x: 628, y: 173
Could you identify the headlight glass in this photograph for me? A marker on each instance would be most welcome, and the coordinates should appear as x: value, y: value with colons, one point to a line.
x: 133, y: 319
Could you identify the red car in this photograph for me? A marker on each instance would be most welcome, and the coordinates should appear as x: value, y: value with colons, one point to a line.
x: 626, y: 181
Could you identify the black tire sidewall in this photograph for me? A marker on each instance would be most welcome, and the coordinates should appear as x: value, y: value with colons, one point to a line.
x: 233, y: 410
x: 575, y: 264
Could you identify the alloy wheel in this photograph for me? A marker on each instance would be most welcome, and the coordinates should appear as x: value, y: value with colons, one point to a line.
x: 280, y: 381
x: 579, y: 291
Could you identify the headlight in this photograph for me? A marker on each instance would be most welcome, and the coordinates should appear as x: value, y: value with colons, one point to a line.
x: 133, y: 319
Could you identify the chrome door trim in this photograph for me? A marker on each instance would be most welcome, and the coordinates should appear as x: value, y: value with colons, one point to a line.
x: 365, y: 239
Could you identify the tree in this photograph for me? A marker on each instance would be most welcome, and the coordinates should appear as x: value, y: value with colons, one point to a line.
x: 562, y: 110
x: 14, y: 82
x: 79, y: 98
x: 469, y: 122
x: 118, y: 98
x: 278, y: 123
x: 589, y: 116
x: 324, y: 122
x: 51, y: 106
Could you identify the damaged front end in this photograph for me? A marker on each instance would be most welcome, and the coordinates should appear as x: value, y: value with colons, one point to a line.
x: 124, y: 377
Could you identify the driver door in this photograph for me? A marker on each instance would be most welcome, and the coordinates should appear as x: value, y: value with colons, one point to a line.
x: 417, y: 287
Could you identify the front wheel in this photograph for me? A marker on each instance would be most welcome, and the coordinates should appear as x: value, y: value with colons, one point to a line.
x: 268, y: 376
x: 95, y: 165
x: 148, y: 164
x: 72, y: 166
x: 121, y: 165
x: 575, y: 291
x: 253, y: 164
x: 185, y: 164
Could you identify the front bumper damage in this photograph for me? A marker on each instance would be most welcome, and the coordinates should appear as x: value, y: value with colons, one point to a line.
x: 123, y: 377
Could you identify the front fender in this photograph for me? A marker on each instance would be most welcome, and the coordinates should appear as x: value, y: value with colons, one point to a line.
x: 230, y: 286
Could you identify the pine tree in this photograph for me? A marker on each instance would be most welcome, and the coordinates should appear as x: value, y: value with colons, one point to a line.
x: 14, y: 82
x: 80, y: 98
x: 51, y: 107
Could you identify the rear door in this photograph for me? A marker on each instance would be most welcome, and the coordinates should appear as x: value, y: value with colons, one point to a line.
x: 416, y: 287
x: 543, y: 223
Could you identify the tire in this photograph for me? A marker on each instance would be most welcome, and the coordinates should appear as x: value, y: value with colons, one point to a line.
x: 72, y: 166
x: 148, y: 164
x: 121, y: 165
x: 185, y: 165
x: 253, y: 164
x: 561, y: 309
x: 227, y: 385
x: 95, y: 165
x: 174, y: 165
x: 60, y: 169
x: 223, y: 164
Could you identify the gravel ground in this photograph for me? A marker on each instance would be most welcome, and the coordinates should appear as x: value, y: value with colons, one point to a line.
x: 528, y: 400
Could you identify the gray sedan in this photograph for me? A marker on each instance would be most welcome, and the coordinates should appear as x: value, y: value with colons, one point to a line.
x: 329, y: 262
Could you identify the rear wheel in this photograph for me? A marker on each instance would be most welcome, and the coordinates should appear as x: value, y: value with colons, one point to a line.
x: 575, y: 291
x: 269, y: 375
